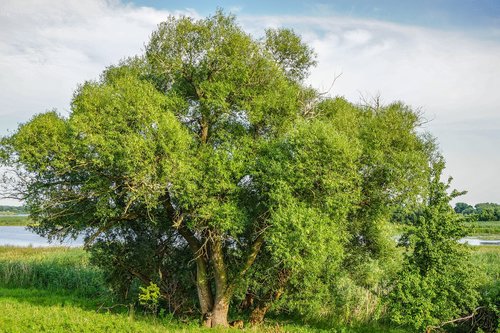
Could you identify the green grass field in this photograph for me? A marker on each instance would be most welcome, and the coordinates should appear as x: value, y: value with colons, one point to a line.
x: 484, y: 229
x: 31, y: 310
x: 14, y: 220
x: 58, y: 290
x: 488, y: 257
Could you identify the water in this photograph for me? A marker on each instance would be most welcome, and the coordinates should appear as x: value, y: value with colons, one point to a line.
x: 20, y: 236
x: 477, y: 241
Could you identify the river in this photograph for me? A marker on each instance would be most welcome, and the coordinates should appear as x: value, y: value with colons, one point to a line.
x: 20, y: 236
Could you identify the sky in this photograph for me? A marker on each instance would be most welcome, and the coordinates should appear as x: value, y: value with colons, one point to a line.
x: 441, y: 57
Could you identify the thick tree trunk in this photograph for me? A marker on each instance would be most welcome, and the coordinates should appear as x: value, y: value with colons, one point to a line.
x: 222, y: 293
x: 204, y: 293
x: 205, y: 296
x: 219, y: 314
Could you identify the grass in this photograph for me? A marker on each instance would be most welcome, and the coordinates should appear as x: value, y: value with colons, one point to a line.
x: 25, y: 310
x: 32, y: 310
x: 14, y: 220
x: 488, y: 258
x: 58, y: 290
x: 29, y: 311
x: 55, y: 269
x: 484, y: 228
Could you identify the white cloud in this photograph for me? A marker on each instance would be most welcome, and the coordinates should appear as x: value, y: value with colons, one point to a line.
x: 451, y: 76
x: 48, y: 47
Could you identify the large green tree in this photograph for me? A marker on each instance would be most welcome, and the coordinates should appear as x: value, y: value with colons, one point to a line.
x: 209, y: 155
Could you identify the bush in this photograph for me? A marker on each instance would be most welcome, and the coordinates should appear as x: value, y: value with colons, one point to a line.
x: 436, y: 283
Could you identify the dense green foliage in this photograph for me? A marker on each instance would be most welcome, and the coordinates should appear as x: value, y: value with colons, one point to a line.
x: 437, y: 282
x: 480, y: 212
x: 207, y: 167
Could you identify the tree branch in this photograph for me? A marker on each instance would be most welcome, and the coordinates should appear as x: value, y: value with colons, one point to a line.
x: 252, y: 255
x: 471, y: 316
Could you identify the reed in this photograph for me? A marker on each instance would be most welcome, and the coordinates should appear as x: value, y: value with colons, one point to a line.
x: 56, y: 269
x: 14, y: 220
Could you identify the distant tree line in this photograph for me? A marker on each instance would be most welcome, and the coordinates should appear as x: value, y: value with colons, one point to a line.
x: 482, y: 211
x: 13, y: 209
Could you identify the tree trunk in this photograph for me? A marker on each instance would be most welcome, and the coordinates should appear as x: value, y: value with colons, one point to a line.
x: 204, y: 293
x: 222, y: 293
x: 203, y: 130
x: 259, y: 312
x: 205, y: 296
x: 219, y: 314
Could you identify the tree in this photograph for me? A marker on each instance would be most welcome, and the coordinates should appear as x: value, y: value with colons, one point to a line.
x: 201, y: 153
x: 436, y: 282
x: 487, y: 211
x: 460, y: 207
x: 482, y: 211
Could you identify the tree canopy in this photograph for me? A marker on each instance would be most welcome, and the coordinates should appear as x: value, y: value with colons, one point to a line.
x: 208, y: 167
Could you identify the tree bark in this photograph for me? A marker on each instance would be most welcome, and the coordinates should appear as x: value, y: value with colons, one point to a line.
x: 205, y: 296
x: 204, y: 292
x: 219, y: 314
x: 222, y: 294
x: 204, y: 133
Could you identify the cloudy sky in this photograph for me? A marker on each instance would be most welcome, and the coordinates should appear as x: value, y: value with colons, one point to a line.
x: 440, y: 56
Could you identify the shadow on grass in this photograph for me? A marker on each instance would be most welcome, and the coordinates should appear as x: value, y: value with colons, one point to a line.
x: 299, y: 323
x: 47, y: 298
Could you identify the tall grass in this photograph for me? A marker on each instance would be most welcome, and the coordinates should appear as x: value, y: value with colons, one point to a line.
x: 24, y: 311
x: 57, y: 269
x: 488, y: 259
x: 14, y: 220
x: 58, y: 290
x: 483, y: 227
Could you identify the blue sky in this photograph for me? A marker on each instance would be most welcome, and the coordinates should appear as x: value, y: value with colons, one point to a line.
x: 470, y: 14
x: 441, y: 57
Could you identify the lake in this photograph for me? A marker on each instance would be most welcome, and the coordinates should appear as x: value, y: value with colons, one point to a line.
x: 20, y: 236
x: 478, y: 241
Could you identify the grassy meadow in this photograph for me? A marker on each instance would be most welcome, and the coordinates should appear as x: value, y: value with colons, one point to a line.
x: 14, y: 220
x: 484, y: 229
x: 56, y: 289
